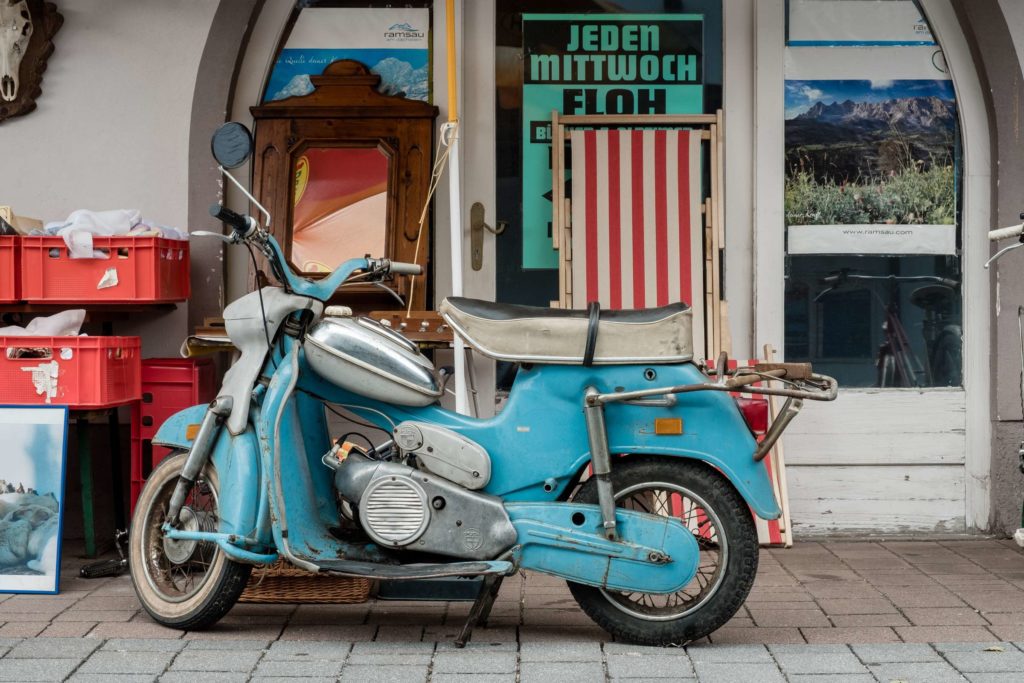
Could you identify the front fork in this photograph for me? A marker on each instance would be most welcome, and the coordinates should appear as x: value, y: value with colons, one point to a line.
x: 198, y: 455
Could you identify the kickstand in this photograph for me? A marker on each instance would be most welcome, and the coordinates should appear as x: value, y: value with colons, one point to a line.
x: 103, y: 568
x: 481, y: 608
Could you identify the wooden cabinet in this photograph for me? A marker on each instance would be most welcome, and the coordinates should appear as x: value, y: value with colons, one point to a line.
x: 344, y: 171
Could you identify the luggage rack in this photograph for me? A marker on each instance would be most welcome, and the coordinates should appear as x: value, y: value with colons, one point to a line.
x: 798, y: 380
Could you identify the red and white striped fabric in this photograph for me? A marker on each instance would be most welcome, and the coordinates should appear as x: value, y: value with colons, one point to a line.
x: 637, y: 233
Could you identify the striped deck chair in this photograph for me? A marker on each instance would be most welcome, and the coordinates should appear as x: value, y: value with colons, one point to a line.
x: 638, y: 230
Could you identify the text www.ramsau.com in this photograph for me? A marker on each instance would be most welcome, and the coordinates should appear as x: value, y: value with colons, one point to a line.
x: 887, y: 233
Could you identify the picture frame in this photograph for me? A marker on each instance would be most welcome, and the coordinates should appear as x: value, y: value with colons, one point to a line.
x: 33, y: 466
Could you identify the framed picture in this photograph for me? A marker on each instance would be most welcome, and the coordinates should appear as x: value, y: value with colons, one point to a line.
x: 32, y: 464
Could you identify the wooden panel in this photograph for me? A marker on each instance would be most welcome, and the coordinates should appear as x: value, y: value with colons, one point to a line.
x: 890, y: 500
x: 883, y: 428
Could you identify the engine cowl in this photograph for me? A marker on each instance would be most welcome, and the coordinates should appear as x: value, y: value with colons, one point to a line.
x: 402, y: 507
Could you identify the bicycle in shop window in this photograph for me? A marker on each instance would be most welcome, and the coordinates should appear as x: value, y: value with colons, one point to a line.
x: 898, y: 365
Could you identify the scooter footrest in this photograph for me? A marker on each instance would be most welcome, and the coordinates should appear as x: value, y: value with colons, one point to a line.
x: 368, y: 570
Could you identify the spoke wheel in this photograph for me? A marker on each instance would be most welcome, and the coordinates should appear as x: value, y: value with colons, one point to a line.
x: 670, y: 500
x: 182, y: 583
x: 711, y: 508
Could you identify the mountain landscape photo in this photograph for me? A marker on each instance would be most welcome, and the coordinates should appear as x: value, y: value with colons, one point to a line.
x: 889, y: 147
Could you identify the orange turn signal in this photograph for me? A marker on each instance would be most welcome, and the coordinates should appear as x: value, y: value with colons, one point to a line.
x: 191, y: 431
x: 668, y: 425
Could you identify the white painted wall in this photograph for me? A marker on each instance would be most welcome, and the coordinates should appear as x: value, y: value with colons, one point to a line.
x: 112, y: 125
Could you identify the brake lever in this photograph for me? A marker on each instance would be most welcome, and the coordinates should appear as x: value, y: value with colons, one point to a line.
x: 230, y: 239
x: 1015, y: 245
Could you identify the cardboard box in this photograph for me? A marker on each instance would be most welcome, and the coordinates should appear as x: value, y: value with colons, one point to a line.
x: 21, y: 224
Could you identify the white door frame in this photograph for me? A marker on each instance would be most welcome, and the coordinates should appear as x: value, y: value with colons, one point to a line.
x: 942, y: 407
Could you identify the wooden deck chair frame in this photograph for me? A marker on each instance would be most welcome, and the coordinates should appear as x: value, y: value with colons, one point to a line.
x: 715, y: 329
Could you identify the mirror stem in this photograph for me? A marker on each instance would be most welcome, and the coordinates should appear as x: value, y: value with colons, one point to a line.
x: 266, y: 214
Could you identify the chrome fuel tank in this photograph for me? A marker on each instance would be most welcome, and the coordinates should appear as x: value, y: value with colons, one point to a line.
x: 364, y: 357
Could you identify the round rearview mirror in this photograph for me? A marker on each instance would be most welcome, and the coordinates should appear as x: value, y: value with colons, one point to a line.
x: 231, y: 144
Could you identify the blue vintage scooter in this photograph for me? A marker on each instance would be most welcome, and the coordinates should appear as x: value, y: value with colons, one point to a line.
x: 617, y: 464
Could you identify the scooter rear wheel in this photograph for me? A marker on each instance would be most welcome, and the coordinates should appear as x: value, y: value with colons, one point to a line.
x: 187, y: 585
x: 721, y: 522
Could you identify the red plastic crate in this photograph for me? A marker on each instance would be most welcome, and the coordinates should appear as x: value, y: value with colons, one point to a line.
x: 80, y: 372
x: 148, y: 270
x: 168, y: 386
x: 10, y: 268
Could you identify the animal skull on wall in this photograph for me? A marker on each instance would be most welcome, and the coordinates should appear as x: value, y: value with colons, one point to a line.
x: 27, y: 28
x: 15, y: 32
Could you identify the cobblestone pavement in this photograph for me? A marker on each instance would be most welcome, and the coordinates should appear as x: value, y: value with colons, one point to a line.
x: 851, y: 611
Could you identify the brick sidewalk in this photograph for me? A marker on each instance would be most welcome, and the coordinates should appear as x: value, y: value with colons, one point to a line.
x: 813, y: 606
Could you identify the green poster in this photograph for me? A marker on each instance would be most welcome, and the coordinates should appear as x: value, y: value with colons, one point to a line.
x: 598, y: 64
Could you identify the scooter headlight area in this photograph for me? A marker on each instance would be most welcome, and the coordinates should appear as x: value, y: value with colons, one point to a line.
x: 618, y: 463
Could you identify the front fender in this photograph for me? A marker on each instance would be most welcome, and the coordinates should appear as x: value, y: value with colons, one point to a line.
x: 236, y: 459
x: 174, y: 432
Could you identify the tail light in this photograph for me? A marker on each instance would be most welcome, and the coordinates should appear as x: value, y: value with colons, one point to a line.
x: 755, y: 413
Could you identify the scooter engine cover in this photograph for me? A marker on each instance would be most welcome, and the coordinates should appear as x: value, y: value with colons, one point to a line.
x: 394, y: 511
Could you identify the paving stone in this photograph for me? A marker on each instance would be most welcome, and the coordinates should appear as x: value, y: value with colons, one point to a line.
x: 789, y: 617
x: 449, y: 645
x: 993, y: 678
x: 864, y: 634
x: 239, y: 661
x: 816, y: 659
x: 473, y: 678
x: 639, y: 650
x: 629, y: 666
x: 306, y: 650
x: 1008, y: 660
x: 111, y: 678
x: 144, y: 645
x: 233, y: 645
x: 721, y: 672
x: 289, y: 679
x: 737, y: 636
x: 36, y: 669
x: 404, y: 658
x: 384, y: 674
x: 828, y: 678
x: 207, y: 677
x: 375, y: 647
x: 563, y: 672
x: 475, y: 662
x: 917, y: 672
x: 127, y: 662
x: 560, y: 652
x: 321, y: 668
x: 868, y: 620
x: 27, y: 629
x: 54, y: 648
x: 938, y: 634
x: 944, y: 616
x: 856, y: 606
x: 328, y: 632
x: 729, y: 653
x: 884, y: 653
x: 133, y: 630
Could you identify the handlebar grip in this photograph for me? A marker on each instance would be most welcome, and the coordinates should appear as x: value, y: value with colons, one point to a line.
x: 399, y: 268
x: 226, y: 215
x: 1003, y: 233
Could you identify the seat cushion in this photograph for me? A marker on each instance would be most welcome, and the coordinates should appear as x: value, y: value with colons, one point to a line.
x: 531, y: 334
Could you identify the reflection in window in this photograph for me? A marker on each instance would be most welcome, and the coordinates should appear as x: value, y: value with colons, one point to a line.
x: 876, y: 321
x: 341, y: 197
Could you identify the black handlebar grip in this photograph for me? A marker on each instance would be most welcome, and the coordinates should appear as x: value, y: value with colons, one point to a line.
x: 226, y: 215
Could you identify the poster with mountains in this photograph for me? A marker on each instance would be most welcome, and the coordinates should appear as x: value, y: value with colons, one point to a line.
x: 870, y: 153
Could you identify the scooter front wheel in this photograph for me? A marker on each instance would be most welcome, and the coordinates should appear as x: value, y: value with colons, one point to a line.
x: 187, y: 585
x: 706, y: 503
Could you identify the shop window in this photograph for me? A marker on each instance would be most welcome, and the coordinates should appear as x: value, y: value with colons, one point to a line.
x: 872, y: 203
x: 584, y: 57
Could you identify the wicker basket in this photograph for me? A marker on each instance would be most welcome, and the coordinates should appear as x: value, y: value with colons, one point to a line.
x: 282, y: 582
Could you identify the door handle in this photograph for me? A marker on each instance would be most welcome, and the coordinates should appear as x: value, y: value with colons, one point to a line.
x: 477, y: 225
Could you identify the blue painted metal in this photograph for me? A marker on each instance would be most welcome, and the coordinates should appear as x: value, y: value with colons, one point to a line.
x: 541, y: 433
x: 173, y: 432
x: 323, y: 289
x: 566, y: 539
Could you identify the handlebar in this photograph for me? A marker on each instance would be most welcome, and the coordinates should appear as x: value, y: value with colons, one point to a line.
x: 1003, y: 233
x: 399, y: 268
x: 243, y: 224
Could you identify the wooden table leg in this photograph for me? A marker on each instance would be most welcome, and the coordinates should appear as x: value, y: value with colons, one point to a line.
x: 115, y: 468
x: 84, y: 453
